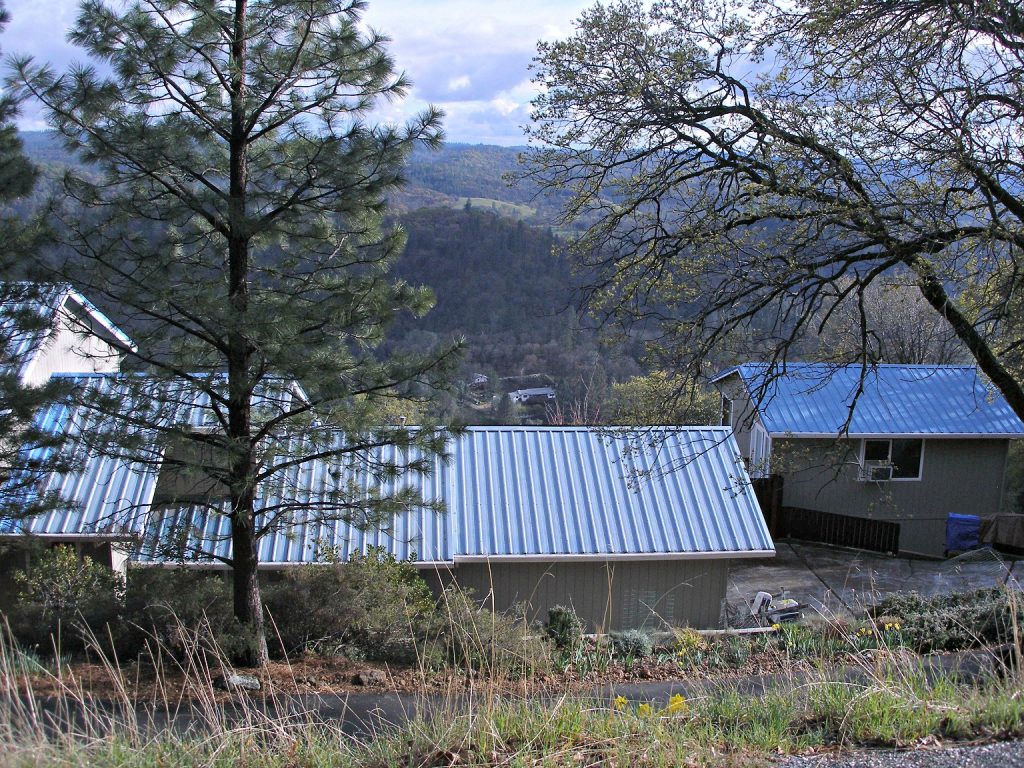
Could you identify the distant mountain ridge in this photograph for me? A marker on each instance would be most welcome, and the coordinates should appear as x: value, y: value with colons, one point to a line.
x: 444, y: 178
x: 489, y: 252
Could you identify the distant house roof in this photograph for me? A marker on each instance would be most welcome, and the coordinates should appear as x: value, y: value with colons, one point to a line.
x: 512, y: 493
x: 45, y: 301
x: 815, y: 399
x: 522, y: 395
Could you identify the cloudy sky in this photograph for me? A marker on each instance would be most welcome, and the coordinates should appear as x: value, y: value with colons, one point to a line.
x: 466, y: 56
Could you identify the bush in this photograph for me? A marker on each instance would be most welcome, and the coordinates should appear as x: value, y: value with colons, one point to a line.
x: 58, y: 592
x: 393, y: 606
x: 479, y: 640
x: 955, y: 621
x: 372, y: 606
x: 564, y: 627
x: 633, y: 644
x: 169, y: 604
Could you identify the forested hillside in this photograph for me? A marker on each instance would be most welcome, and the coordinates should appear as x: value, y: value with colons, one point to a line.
x: 497, y: 270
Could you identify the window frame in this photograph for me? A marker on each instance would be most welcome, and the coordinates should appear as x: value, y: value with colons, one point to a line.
x: 888, y: 461
x: 727, y: 412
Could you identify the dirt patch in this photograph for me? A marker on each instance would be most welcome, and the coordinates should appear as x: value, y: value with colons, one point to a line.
x: 170, y: 682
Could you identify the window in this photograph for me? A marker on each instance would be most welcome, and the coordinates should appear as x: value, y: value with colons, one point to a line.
x: 726, y: 411
x: 760, y: 451
x: 903, y: 455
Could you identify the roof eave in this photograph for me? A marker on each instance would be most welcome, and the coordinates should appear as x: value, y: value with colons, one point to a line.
x: 891, y: 435
x: 615, y: 557
x: 101, y: 319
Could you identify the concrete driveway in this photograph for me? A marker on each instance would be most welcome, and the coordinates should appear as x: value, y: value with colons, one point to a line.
x: 838, y: 582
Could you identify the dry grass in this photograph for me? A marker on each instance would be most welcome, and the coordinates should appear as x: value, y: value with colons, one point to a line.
x: 892, y: 700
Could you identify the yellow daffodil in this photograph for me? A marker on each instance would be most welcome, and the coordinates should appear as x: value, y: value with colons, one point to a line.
x: 677, y: 705
x: 644, y: 710
x: 620, y: 703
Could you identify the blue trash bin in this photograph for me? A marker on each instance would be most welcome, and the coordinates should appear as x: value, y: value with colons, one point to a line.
x: 963, y: 532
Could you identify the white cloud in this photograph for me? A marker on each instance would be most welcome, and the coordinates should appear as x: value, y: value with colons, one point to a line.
x: 469, y: 58
x: 459, y: 83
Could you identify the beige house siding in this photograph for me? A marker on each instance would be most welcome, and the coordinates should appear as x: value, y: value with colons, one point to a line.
x: 957, y: 476
x: 651, y: 594
x: 70, y: 349
x: 744, y: 414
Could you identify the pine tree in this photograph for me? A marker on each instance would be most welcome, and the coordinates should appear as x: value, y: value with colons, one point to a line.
x: 237, y: 234
x: 26, y: 453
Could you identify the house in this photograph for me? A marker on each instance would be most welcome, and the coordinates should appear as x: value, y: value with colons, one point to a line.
x: 877, y: 456
x: 73, y: 335
x: 532, y: 395
x: 630, y: 528
x: 50, y: 330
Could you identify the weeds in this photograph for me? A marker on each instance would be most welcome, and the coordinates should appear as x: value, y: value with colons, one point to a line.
x: 894, y: 703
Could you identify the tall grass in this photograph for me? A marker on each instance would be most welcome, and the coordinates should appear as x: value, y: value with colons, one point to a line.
x: 881, y: 694
x: 894, y: 702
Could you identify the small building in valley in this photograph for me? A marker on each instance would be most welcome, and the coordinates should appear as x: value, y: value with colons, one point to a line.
x: 877, y: 456
x: 532, y: 396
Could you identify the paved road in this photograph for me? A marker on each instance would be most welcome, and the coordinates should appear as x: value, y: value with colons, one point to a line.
x: 362, y: 715
x: 1006, y: 754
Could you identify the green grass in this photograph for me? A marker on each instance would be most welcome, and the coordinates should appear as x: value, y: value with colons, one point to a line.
x: 896, y: 708
x: 890, y: 701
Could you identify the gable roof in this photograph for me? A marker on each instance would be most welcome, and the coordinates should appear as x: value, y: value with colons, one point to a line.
x: 815, y: 399
x: 45, y: 302
x: 538, y: 493
x: 511, y: 493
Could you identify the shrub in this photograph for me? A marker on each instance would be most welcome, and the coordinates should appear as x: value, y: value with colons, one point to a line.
x: 688, y: 642
x: 371, y: 606
x: 393, y: 606
x: 310, y: 606
x: 954, y: 621
x: 169, y: 604
x: 480, y: 640
x: 59, y: 591
x: 633, y: 644
x: 564, y: 627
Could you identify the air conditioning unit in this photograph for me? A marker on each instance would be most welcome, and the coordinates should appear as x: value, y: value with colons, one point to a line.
x: 876, y: 472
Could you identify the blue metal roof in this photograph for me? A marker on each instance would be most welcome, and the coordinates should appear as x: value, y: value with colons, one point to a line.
x: 585, y: 492
x: 110, y: 493
x: 510, y: 493
x: 816, y: 399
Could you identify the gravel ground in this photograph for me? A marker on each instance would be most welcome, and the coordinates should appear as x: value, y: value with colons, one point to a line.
x: 1005, y: 754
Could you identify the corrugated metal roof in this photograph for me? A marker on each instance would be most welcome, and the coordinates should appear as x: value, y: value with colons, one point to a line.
x: 577, y: 491
x: 816, y: 398
x: 510, y: 492
x: 536, y: 492
x: 106, y: 495
x: 111, y: 492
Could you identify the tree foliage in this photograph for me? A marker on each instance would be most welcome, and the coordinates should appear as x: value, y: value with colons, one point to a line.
x: 233, y: 217
x: 26, y: 453
x: 754, y: 169
x: 657, y: 399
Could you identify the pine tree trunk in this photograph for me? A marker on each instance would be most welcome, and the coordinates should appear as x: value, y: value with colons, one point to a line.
x: 248, y: 603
